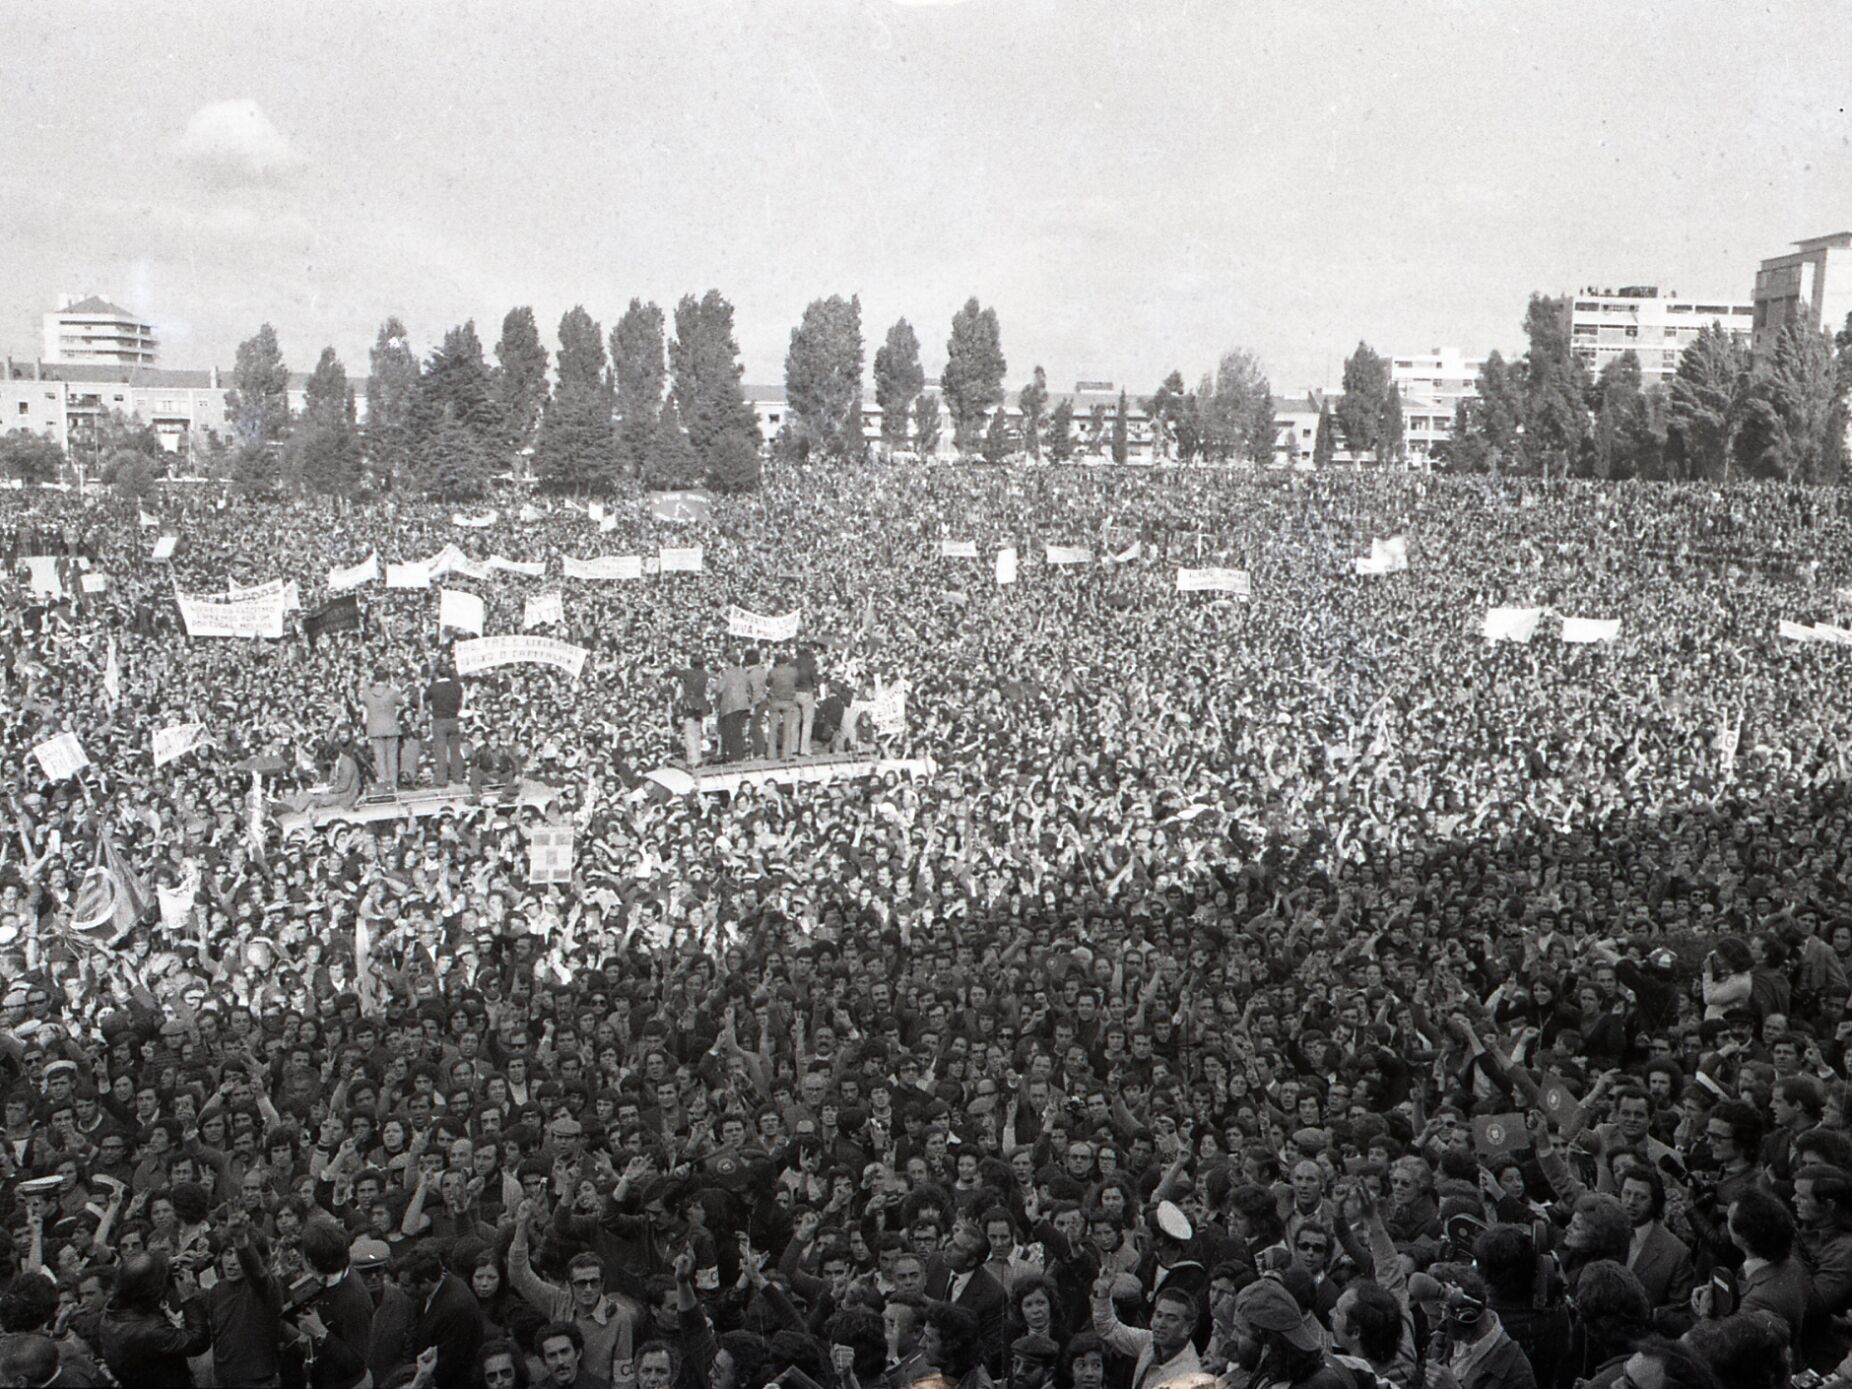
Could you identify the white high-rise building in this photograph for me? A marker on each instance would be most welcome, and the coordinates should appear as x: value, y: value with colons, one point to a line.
x: 1655, y: 327
x: 94, y: 332
x: 1811, y: 285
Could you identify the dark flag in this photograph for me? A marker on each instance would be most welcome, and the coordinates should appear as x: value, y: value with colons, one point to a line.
x: 336, y: 615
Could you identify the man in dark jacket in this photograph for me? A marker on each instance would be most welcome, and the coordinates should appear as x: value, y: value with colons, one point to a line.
x: 444, y: 698
x: 143, y: 1341
x: 339, y: 1318
x: 450, y: 1319
x: 245, y: 1308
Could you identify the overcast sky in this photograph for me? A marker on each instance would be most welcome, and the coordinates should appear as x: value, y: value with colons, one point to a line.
x: 1134, y: 186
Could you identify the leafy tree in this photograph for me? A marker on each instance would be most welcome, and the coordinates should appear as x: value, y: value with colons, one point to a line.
x: 30, y: 458
x: 823, y: 376
x: 1061, y: 431
x: 323, y: 453
x: 973, y: 377
x: 1390, y: 429
x: 1789, y: 416
x: 899, y: 378
x: 519, y: 381
x: 1031, y: 405
x: 672, y: 463
x: 392, y: 393
x: 1628, y: 430
x: 258, y: 402
x: 1324, y: 441
x: 1188, y: 427
x: 1121, y: 435
x: 1237, y: 409
x: 997, y: 440
x: 457, y: 463
x: 256, y: 473
x: 705, y: 369
x: 117, y: 432
x: 1361, y: 409
x: 1555, y: 388
x: 575, y: 448
x: 1097, y: 428
x: 734, y: 467
x: 456, y: 385
x: 1164, y: 410
x: 926, y: 423
x: 1707, y: 403
x: 132, y: 473
x: 640, y: 373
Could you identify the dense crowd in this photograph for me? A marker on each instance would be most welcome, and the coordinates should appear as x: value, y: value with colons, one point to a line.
x: 1300, y: 991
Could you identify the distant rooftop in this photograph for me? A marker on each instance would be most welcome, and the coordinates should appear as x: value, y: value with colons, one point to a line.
x: 95, y: 304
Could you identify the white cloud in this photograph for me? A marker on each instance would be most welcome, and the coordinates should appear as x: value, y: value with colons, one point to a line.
x: 234, y: 144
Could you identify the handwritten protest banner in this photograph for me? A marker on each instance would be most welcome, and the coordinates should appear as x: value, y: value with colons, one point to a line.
x: 253, y: 613
x: 886, y: 710
x: 741, y: 623
x: 1068, y: 554
x: 62, y: 756
x: 488, y: 518
x: 533, y: 569
x: 171, y: 744
x: 486, y: 653
x: 605, y: 567
x: 957, y: 549
x: 542, y: 609
x: 679, y: 561
x: 458, y: 609
x: 365, y: 572
x: 1214, y: 581
x: 1511, y: 624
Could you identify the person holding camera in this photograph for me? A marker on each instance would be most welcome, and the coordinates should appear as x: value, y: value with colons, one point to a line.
x: 153, y: 1324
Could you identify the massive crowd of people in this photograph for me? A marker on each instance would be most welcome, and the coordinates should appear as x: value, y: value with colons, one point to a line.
x: 1299, y: 991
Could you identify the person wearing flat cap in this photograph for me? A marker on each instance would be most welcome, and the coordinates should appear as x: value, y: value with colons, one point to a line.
x: 1276, y: 1343
x: 1032, y: 1361
x: 1163, y: 1354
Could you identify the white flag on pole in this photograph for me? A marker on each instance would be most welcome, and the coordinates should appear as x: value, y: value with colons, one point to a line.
x: 461, y: 610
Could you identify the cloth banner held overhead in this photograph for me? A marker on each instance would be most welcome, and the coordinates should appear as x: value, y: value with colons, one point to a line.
x: 609, y: 523
x: 533, y: 569
x: 451, y: 560
x: 96, y: 583
x: 177, y: 742
x: 177, y: 901
x: 1233, y: 581
x: 1068, y: 554
x: 486, y: 653
x: 605, y: 567
x: 1511, y: 624
x: 292, y: 594
x: 1006, y: 566
x: 529, y: 512
x: 682, y: 508
x: 681, y: 561
x: 61, y: 757
x: 408, y: 575
x: 365, y: 572
x: 1796, y: 631
x: 549, y: 854
x: 475, y: 523
x: 336, y: 615
x: 957, y: 549
x: 1129, y: 555
x: 461, y: 610
x: 1822, y: 631
x: 542, y: 609
x: 1585, y: 630
x: 595, y: 510
x: 163, y: 548
x: 252, y: 614
x: 741, y: 623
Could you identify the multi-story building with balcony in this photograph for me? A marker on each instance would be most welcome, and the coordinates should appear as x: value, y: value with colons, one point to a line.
x: 1811, y: 286
x: 1655, y: 327
x: 93, y: 331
